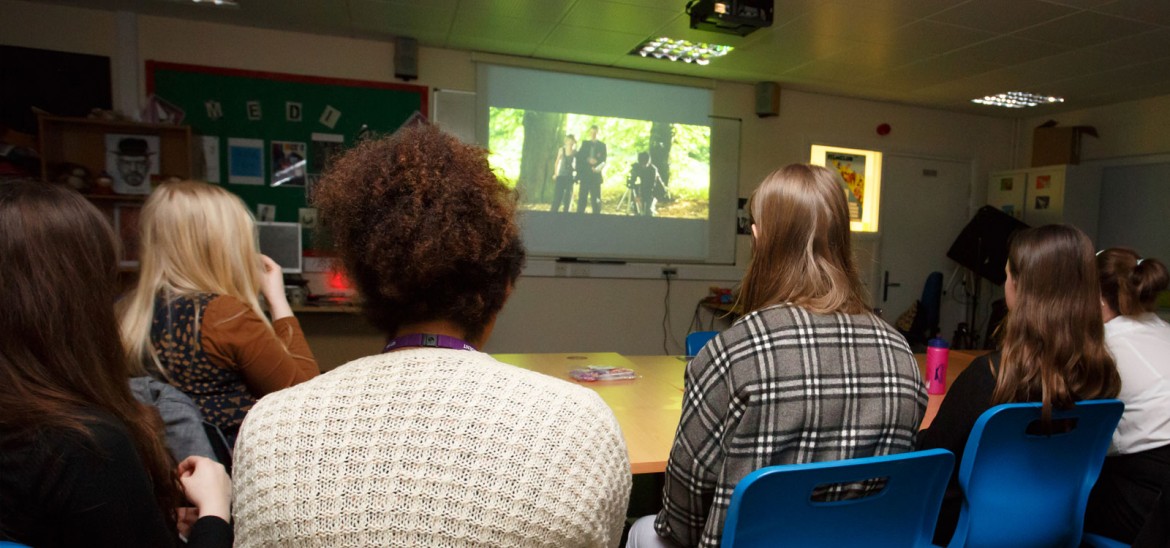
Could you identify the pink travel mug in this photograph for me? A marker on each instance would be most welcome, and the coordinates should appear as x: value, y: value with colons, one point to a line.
x: 936, y: 366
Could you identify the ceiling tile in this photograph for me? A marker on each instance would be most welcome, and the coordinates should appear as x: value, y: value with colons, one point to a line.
x: 914, y: 9
x: 603, y: 42
x: 469, y: 27
x: 930, y: 72
x: 1150, y: 11
x: 1063, y: 66
x: 1008, y: 50
x: 860, y: 24
x: 1081, y: 4
x: 878, y: 56
x: 1142, y: 47
x: 540, y: 10
x: 932, y: 38
x: 393, y: 19
x: 1105, y: 82
x: 1002, y: 15
x: 1084, y: 29
x: 831, y: 72
x: 611, y: 16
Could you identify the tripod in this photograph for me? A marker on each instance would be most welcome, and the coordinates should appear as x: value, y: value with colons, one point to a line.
x: 633, y: 199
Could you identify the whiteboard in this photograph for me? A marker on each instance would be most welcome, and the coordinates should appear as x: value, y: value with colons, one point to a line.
x: 455, y: 113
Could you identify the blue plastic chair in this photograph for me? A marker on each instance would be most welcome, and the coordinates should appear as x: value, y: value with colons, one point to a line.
x: 696, y: 340
x: 1024, y: 489
x: 775, y: 505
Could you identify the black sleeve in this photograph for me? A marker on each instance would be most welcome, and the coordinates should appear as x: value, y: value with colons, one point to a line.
x: 604, y: 152
x: 101, y: 495
x: 965, y: 401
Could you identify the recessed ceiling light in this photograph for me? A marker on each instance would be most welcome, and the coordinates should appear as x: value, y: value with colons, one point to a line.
x: 686, y: 51
x: 1017, y: 99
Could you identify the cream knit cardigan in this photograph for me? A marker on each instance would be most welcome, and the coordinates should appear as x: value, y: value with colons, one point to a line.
x: 430, y: 447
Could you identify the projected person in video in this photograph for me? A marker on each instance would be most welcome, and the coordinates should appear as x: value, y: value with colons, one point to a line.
x: 563, y: 173
x: 590, y: 163
x: 645, y: 182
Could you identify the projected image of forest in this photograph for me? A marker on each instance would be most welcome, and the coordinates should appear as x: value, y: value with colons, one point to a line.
x: 633, y: 167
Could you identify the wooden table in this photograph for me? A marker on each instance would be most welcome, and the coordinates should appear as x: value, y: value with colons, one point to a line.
x: 648, y: 408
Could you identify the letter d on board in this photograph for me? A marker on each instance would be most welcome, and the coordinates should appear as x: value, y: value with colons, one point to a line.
x: 292, y: 111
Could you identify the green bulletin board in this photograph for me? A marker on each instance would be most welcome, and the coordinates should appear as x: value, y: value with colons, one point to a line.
x: 259, y: 122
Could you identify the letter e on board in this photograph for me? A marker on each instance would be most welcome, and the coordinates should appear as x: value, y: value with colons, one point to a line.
x: 254, y: 110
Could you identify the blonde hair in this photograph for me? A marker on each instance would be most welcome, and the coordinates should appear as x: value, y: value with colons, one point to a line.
x: 802, y: 252
x: 195, y: 238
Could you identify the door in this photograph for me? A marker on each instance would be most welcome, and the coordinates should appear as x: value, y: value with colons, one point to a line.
x: 924, y: 206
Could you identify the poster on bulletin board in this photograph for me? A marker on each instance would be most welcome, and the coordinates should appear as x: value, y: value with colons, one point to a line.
x: 268, y: 136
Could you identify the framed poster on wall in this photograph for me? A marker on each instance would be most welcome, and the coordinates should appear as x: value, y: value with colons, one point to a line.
x: 861, y: 170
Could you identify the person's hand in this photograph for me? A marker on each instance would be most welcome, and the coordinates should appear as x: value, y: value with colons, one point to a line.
x: 272, y: 287
x: 187, y: 516
x: 207, y: 485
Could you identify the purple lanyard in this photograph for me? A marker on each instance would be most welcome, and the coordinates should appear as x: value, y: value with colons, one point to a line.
x: 427, y: 340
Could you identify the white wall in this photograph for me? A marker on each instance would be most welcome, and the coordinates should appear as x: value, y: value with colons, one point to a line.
x: 1133, y: 128
x: 545, y: 314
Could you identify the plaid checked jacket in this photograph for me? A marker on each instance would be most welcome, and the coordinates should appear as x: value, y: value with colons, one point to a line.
x: 784, y: 386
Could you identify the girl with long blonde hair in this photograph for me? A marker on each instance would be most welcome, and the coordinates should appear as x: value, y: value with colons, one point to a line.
x: 194, y: 318
x: 808, y: 374
x: 1052, y: 352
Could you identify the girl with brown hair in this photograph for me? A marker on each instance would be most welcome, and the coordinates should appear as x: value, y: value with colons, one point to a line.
x: 1052, y: 352
x: 1135, y: 479
x: 81, y: 462
x: 808, y: 374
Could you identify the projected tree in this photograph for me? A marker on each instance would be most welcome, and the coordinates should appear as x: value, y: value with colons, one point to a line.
x: 523, y: 147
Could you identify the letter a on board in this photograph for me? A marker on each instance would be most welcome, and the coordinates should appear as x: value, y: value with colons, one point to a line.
x: 329, y: 117
x: 254, y: 110
x: 292, y: 111
x: 214, y: 109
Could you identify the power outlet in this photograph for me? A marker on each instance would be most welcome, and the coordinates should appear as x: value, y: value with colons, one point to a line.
x: 669, y: 272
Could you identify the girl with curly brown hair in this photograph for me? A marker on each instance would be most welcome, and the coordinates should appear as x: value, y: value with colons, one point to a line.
x: 431, y: 442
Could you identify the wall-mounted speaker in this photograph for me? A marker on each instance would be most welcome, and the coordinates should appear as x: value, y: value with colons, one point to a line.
x: 767, y: 99
x: 406, y: 58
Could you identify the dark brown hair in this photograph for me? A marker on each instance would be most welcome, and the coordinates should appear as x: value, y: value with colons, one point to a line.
x: 1129, y: 283
x: 425, y: 229
x: 60, y: 353
x: 1053, y: 339
x: 802, y: 252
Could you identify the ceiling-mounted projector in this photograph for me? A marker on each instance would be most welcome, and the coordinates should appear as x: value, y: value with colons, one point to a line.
x: 739, y: 17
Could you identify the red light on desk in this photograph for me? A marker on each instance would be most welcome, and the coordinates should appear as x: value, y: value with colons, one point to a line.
x: 337, y: 280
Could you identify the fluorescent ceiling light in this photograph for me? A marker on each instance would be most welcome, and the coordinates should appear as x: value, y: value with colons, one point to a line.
x: 1017, y: 99
x: 680, y: 50
x: 224, y: 3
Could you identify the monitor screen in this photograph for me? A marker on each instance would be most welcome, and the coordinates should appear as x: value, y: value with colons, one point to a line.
x: 282, y: 243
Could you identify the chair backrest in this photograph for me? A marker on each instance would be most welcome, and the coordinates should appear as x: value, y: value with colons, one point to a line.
x: 779, y: 504
x: 696, y: 340
x: 1022, y: 488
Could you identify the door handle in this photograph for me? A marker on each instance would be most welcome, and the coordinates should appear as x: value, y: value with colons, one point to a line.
x: 886, y: 285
